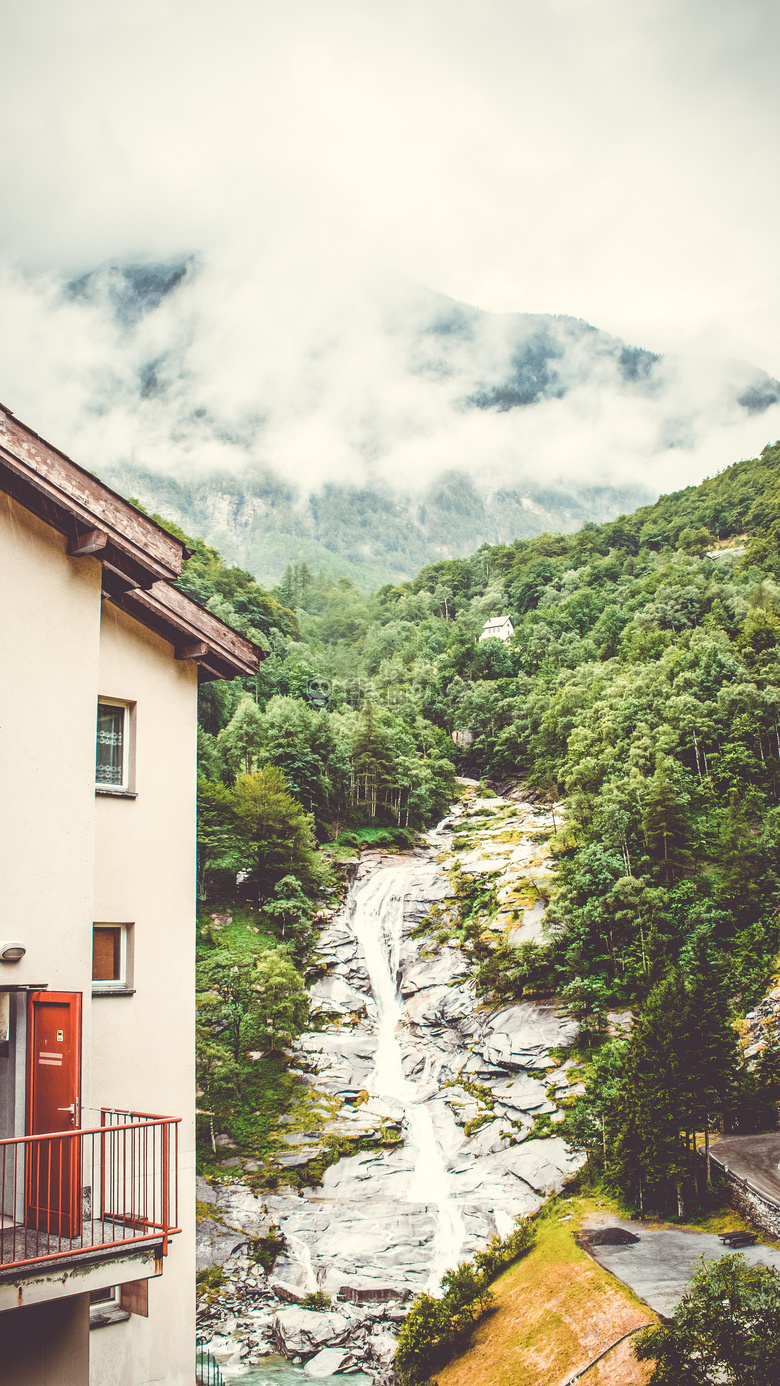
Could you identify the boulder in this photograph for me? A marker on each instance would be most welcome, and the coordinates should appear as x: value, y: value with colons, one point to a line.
x: 291, y: 1294
x: 215, y: 1243
x: 294, y: 1159
x: 327, y: 1362
x: 382, y: 1347
x: 369, y: 1292
x: 302, y: 1332
x: 333, y: 994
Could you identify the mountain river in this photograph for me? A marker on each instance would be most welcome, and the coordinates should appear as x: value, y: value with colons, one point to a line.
x: 439, y: 1093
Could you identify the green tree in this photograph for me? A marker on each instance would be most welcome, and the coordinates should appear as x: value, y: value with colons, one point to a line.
x: 241, y: 740
x: 665, y: 821
x: 423, y: 1334
x: 679, y: 1070
x: 251, y: 999
x: 467, y: 1293
x: 726, y: 1329
x: 219, y: 844
x: 276, y: 836
x: 289, y: 912
x: 373, y: 763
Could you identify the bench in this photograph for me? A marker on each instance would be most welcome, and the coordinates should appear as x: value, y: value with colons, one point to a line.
x: 738, y: 1238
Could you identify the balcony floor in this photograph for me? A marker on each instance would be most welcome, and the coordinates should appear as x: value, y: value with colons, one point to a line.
x: 22, y: 1247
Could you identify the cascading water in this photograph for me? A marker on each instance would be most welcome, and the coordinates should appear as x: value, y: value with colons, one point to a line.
x: 377, y: 922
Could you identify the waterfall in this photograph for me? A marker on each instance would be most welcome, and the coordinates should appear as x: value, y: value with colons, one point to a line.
x: 377, y: 922
x: 302, y: 1253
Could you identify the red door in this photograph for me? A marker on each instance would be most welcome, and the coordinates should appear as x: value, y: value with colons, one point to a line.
x: 53, y: 1173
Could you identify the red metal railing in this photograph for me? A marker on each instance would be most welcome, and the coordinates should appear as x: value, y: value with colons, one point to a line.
x: 73, y: 1191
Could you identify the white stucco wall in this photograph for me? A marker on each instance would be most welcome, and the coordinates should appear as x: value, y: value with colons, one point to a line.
x: 48, y: 670
x: 68, y: 858
x: 143, y: 1045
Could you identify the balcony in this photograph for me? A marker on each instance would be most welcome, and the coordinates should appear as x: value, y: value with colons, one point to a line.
x: 83, y: 1198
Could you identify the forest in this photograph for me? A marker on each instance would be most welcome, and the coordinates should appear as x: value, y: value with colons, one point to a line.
x: 641, y: 686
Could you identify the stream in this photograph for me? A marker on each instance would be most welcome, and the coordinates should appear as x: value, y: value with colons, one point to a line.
x: 377, y: 920
x: 440, y: 1094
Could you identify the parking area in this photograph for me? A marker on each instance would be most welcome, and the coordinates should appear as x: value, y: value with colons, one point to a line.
x: 660, y: 1265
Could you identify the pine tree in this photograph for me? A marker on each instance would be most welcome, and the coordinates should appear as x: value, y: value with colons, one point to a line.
x: 711, y: 1047
x: 276, y: 835
x: 651, y: 1158
x: 665, y: 821
x: 372, y: 762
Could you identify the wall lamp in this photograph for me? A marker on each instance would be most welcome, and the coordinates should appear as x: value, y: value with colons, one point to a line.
x: 12, y: 951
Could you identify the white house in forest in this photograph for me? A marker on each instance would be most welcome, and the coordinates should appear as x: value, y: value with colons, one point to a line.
x: 498, y: 628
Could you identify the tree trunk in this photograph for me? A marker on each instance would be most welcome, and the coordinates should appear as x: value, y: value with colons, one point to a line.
x: 707, y: 1167
x: 680, y: 1201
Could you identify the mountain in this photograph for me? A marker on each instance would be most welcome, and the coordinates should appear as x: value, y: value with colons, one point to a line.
x: 379, y: 430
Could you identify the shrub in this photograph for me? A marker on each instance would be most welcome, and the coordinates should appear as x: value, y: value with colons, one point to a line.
x: 318, y: 1301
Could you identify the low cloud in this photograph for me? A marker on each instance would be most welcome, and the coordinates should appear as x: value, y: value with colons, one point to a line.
x: 198, y: 367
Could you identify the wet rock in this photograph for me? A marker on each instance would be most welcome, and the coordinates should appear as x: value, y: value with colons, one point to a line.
x: 381, y: 1348
x: 215, y: 1243
x: 203, y: 1191
x: 368, y: 1292
x: 449, y: 966
x: 490, y: 1138
x: 328, y: 1362
x: 296, y: 1158
x: 290, y: 1294
x: 224, y: 1349
x: 304, y: 1332
x: 334, y: 994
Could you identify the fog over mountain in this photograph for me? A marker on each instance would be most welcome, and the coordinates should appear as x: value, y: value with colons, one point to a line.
x: 365, y: 427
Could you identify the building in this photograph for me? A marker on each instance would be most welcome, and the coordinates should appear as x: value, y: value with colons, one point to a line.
x: 101, y: 660
x: 497, y: 628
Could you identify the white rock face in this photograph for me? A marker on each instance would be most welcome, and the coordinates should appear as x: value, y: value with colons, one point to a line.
x: 302, y: 1332
x: 382, y: 1347
x: 327, y: 1362
x: 375, y: 1223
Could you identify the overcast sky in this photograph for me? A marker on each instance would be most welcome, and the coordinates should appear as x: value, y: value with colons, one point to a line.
x: 615, y: 161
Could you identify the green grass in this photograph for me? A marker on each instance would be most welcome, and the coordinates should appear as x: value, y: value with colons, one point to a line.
x: 555, y: 1310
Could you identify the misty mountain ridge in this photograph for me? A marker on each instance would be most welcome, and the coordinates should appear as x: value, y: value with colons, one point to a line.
x: 413, y: 428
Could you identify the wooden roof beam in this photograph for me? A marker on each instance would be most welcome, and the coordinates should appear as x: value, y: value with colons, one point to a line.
x: 73, y: 500
x: 94, y: 541
x: 197, y: 650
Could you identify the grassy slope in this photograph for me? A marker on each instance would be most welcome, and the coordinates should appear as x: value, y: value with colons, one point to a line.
x: 555, y: 1311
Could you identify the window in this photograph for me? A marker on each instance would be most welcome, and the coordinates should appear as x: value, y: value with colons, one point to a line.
x: 112, y: 759
x: 107, y: 1296
x: 111, y: 957
x: 107, y: 1307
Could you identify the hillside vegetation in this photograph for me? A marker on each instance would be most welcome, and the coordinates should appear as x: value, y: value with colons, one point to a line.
x: 641, y: 684
x: 553, y: 1313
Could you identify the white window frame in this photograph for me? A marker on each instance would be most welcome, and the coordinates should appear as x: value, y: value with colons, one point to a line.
x: 128, y: 736
x: 122, y: 982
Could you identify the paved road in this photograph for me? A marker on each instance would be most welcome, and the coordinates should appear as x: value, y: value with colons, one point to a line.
x: 659, y: 1266
x: 755, y: 1158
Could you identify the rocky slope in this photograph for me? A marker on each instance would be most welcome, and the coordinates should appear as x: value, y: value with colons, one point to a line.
x: 442, y: 1095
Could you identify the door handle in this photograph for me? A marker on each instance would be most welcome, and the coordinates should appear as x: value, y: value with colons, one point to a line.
x: 71, y: 1109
